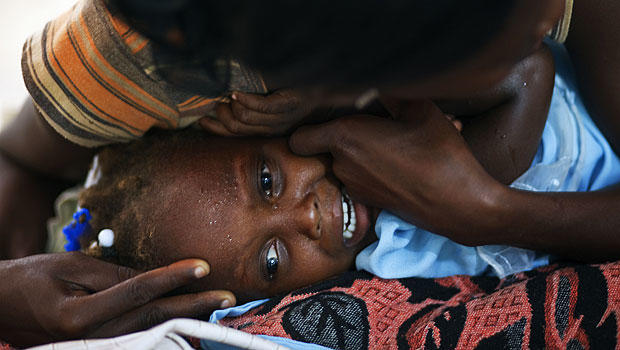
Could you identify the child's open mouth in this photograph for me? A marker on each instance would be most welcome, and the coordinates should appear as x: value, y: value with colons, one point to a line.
x: 355, y: 221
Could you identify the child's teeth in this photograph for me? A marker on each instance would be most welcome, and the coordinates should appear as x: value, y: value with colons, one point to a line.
x: 353, y: 220
x: 348, y: 216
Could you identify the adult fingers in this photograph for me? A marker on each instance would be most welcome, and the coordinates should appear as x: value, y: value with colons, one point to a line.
x: 251, y: 117
x: 238, y: 128
x: 311, y: 140
x: 410, y: 110
x: 90, y: 273
x: 215, y: 127
x: 161, y: 310
x: 278, y: 102
x: 139, y: 290
x: 332, y: 137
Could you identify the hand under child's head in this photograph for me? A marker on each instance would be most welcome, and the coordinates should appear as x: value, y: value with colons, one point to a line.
x: 266, y: 220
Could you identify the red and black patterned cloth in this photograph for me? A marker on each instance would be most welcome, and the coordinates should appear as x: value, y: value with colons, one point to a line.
x: 566, y: 306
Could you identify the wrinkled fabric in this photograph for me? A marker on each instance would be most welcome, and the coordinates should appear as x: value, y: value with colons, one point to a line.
x: 570, y: 306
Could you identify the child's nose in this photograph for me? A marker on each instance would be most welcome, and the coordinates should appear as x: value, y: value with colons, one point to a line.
x: 309, y: 217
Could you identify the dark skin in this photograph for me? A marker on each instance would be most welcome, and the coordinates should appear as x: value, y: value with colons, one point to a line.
x: 247, y: 197
x: 279, y: 112
x: 494, y: 119
x: 66, y: 308
x: 499, y: 210
x: 34, y: 145
x: 31, y: 156
x: 239, y: 202
x: 58, y: 301
x: 475, y: 112
x: 593, y: 46
x: 27, y: 166
x: 25, y: 192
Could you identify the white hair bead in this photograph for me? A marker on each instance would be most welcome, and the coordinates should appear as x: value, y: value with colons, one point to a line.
x: 106, y: 238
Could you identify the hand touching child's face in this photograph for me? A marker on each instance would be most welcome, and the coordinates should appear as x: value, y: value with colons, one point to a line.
x: 265, y: 219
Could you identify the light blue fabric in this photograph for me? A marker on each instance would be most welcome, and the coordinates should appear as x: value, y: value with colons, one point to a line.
x: 573, y: 156
x: 403, y: 250
x: 240, y: 310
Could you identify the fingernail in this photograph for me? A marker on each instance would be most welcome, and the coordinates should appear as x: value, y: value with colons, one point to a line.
x: 201, y: 271
x: 225, y: 303
x: 234, y: 96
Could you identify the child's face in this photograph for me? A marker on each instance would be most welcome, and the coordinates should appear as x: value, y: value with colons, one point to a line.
x: 266, y: 220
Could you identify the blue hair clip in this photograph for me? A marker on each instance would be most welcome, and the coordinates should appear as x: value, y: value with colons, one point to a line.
x: 76, y: 229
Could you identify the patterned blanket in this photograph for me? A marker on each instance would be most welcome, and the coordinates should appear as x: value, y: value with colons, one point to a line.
x: 564, y: 306
x: 567, y: 306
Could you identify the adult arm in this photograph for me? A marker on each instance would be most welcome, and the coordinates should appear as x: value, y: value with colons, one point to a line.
x: 26, y: 203
x: 594, y: 46
x: 36, y: 165
x: 421, y: 169
x: 503, y: 125
x: 31, y: 142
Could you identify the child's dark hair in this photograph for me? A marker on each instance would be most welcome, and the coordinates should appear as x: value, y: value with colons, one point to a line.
x: 126, y: 176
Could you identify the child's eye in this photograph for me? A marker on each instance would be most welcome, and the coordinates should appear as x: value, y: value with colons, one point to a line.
x: 272, y: 260
x: 266, y: 181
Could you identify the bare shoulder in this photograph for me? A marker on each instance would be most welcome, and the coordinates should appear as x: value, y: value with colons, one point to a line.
x: 535, y: 72
x: 537, y: 67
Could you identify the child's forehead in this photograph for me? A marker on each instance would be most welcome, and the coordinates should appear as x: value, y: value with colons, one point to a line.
x: 208, y: 180
x: 203, y: 199
x: 211, y: 156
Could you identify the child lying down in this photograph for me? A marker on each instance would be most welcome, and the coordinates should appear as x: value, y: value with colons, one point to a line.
x: 268, y: 221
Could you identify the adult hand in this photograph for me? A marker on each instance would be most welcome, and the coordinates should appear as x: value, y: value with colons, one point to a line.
x: 417, y: 166
x: 53, y: 297
x: 250, y: 114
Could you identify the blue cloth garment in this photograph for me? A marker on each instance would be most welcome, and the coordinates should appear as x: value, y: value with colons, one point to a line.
x: 573, y: 156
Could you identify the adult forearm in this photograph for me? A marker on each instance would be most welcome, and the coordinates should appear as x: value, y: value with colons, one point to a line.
x: 34, y: 164
x: 582, y: 225
x: 31, y: 142
x: 26, y: 203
